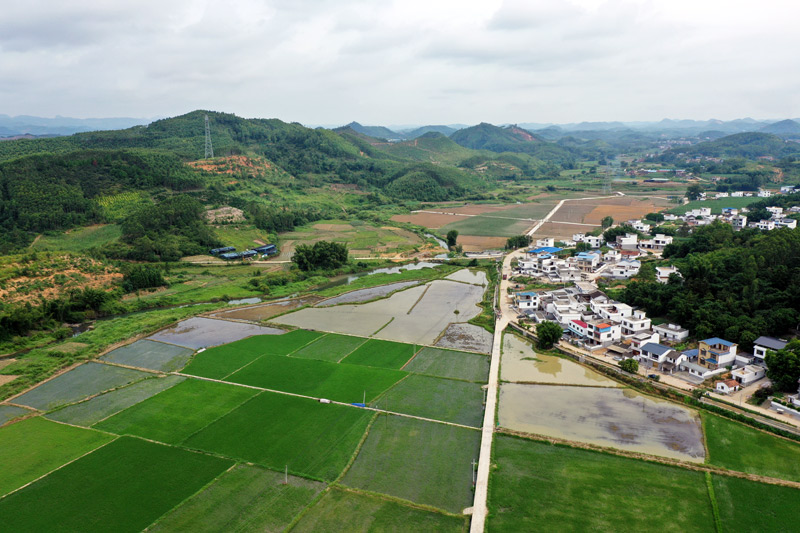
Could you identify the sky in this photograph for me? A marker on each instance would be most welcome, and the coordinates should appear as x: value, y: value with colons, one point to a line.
x: 403, y: 62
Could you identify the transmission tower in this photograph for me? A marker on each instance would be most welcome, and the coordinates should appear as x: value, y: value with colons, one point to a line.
x: 209, y: 146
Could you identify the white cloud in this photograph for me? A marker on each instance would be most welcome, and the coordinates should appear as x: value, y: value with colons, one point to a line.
x: 325, y: 61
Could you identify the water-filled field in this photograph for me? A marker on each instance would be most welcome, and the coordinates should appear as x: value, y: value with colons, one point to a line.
x: 10, y: 412
x: 620, y: 418
x: 365, y: 295
x: 415, y: 315
x: 201, y: 332
x: 256, y: 313
x: 467, y: 337
x: 80, y: 382
x: 150, y: 354
x: 100, y: 407
x: 476, y: 277
x: 520, y: 363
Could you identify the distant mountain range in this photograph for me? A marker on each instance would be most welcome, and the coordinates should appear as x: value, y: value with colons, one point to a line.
x: 40, y: 126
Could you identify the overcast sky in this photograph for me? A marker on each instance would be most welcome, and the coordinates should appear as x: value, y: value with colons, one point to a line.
x: 404, y: 61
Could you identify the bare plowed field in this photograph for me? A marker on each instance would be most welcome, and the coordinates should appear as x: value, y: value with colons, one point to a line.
x: 472, y: 243
x: 560, y: 231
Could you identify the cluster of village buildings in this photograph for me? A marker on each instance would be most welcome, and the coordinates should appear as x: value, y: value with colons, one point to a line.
x: 596, y: 323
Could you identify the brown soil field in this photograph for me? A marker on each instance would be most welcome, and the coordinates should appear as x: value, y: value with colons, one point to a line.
x: 559, y: 231
x: 230, y: 164
x: 427, y: 220
x: 621, y: 208
x: 47, y: 288
x: 472, y: 243
x: 7, y: 379
x: 5, y: 362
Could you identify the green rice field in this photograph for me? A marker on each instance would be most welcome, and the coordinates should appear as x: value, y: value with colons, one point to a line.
x: 33, y: 447
x: 222, y: 361
x: 80, y: 382
x: 542, y: 487
x: 459, y: 402
x: 775, y: 508
x: 310, y: 438
x: 318, y: 379
x: 79, y: 239
x: 419, y: 461
x: 246, y: 498
x: 383, y: 354
x: 332, y: 347
x: 101, y: 407
x: 345, y: 510
x: 123, y: 486
x: 745, y: 449
x: 450, y: 364
x: 176, y: 413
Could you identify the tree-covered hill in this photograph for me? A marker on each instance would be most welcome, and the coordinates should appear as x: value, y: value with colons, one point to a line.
x: 749, y: 145
x: 735, y: 285
x: 433, y: 147
x: 784, y: 127
x: 378, y: 132
x: 512, y: 139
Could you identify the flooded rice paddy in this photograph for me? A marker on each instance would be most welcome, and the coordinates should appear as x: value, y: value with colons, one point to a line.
x: 10, y: 412
x: 365, y: 295
x: 476, y: 277
x: 416, y: 315
x: 201, y: 332
x: 521, y: 364
x: 466, y: 337
x: 620, y: 418
x: 258, y: 313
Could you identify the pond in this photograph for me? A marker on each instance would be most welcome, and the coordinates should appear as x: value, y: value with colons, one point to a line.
x: 521, y: 364
x: 620, y: 418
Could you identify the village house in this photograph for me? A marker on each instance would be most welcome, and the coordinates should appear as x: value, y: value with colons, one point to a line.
x: 663, y: 273
x: 715, y: 353
x: 657, y: 243
x: 671, y: 332
x: 727, y: 386
x: 739, y: 222
x: 635, y: 323
x: 790, y: 223
x: 748, y: 374
x: 625, y: 269
x: 526, y: 300
x: 545, y: 243
x: 629, y: 241
x: 764, y: 344
x: 766, y: 225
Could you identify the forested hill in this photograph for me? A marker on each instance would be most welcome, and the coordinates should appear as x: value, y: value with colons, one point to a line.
x: 749, y: 145
x: 512, y: 139
x: 736, y: 285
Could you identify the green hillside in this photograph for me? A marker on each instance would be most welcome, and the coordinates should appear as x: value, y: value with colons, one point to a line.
x: 432, y: 147
x: 749, y: 145
x: 511, y: 139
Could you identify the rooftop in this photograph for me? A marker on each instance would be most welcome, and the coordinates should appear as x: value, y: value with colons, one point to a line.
x: 770, y: 342
x: 653, y: 347
x: 716, y: 340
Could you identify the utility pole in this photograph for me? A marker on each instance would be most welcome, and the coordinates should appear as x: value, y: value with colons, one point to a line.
x: 209, y: 146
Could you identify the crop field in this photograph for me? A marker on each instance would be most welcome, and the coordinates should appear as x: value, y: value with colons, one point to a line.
x: 77, y: 384
x: 247, y: 498
x: 776, y: 511
x: 221, y: 361
x: 561, y: 231
x: 332, y: 347
x: 741, y: 448
x: 198, y: 332
x: 383, y: 354
x: 34, y: 447
x: 151, y: 355
x: 319, y: 379
x: 715, y: 205
x: 79, y: 239
x: 541, y: 487
x: 174, y: 414
x: 345, y: 510
x: 241, y: 236
x: 474, y: 243
x: 460, y: 402
x: 95, y: 409
x: 308, y: 437
x: 123, y: 486
x: 357, y: 235
x: 423, y: 462
x: 496, y: 225
x: 10, y: 412
x: 468, y: 337
x: 450, y: 364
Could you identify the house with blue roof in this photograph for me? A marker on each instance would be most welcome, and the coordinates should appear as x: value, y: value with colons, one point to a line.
x: 526, y: 300
x: 716, y: 354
